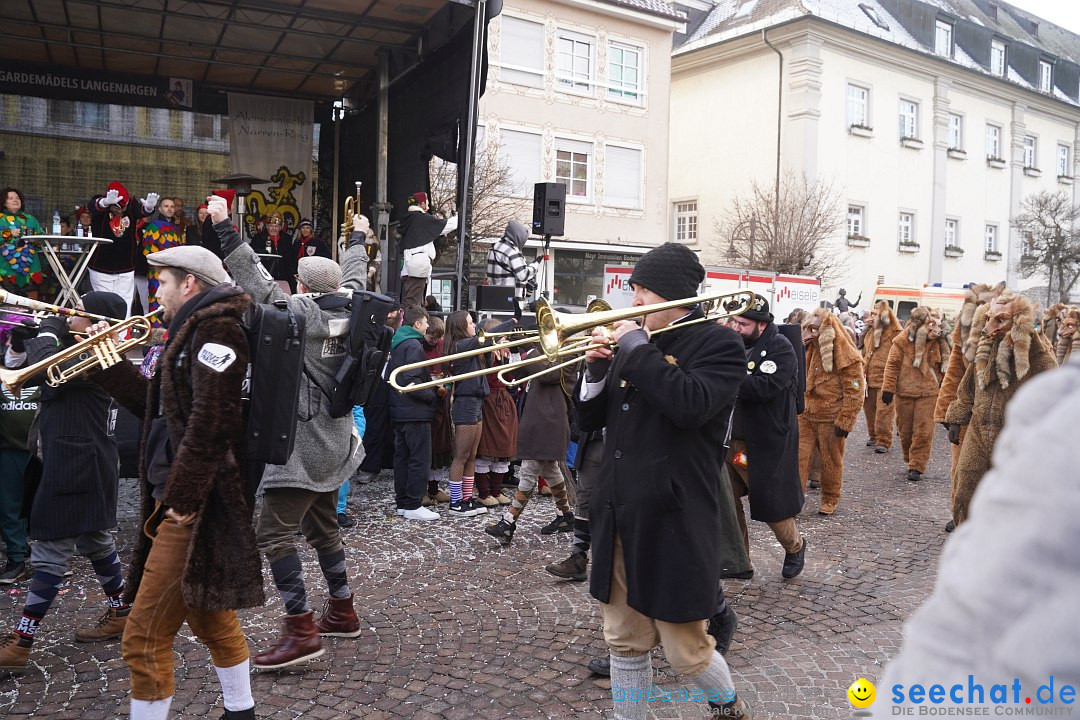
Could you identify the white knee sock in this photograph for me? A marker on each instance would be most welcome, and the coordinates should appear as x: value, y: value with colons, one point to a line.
x: 631, y: 679
x: 236, y: 686
x: 150, y: 709
x: 716, y: 681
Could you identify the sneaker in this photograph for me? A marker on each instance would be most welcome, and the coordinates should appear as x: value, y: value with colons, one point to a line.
x: 346, y: 521
x: 572, y: 568
x: 563, y: 523
x: 460, y: 509
x: 502, y: 530
x: 420, y: 513
x: 737, y: 708
x: 600, y: 666
x: 400, y: 511
x: 475, y: 508
x: 793, y: 562
x: 14, y: 572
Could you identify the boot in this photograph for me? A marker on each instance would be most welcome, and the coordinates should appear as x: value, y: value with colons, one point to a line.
x: 442, y: 497
x: 339, y: 619
x: 299, y: 642
x: 110, y: 626
x: 13, y: 656
x: 572, y: 568
x: 722, y: 628
x: 502, y: 530
x: 562, y: 523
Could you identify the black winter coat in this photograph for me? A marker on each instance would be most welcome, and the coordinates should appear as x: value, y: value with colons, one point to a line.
x: 418, y: 406
x: 80, y: 463
x: 765, y: 418
x: 661, y: 485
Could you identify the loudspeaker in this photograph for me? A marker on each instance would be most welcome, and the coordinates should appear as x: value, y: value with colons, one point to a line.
x: 549, y: 208
x: 495, y: 298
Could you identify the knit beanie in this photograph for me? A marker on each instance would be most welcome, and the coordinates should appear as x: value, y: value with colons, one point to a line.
x: 319, y: 274
x: 671, y: 270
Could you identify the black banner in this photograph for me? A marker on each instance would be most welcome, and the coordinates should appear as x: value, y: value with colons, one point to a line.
x: 101, y: 86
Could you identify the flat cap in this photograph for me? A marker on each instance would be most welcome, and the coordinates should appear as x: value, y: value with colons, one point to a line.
x: 319, y: 274
x: 197, y: 261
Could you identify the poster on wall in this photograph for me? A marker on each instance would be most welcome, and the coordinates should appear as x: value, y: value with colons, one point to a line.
x: 617, y: 289
x: 272, y: 138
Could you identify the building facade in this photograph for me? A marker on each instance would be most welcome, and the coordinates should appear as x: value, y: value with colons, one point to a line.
x: 578, y: 94
x: 932, y: 121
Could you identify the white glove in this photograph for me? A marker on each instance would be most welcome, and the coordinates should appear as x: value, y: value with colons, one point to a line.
x: 218, y: 208
x: 112, y: 197
x: 451, y: 225
x: 150, y: 202
x: 360, y: 224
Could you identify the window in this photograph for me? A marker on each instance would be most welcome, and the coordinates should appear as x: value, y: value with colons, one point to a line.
x: 1031, y: 148
x: 522, y: 54
x: 86, y: 114
x: 686, y: 221
x: 574, y: 61
x: 991, y: 238
x: 857, y: 106
x: 943, y: 39
x: 997, y: 58
x: 622, y: 173
x: 572, y: 158
x: 625, y: 72
x: 993, y: 142
x: 522, y: 151
x: 873, y: 15
x: 856, y: 215
x: 909, y: 119
x: 952, y: 233
x: 906, y: 229
x: 956, y: 132
x: 1046, y: 75
x: 1064, y: 167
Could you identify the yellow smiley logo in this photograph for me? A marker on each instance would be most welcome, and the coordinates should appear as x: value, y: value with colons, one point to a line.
x: 861, y: 693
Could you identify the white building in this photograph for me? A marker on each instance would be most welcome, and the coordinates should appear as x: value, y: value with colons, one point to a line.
x: 934, y: 119
x: 577, y: 93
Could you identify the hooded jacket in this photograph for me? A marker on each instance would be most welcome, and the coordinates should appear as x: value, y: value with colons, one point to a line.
x: 876, y: 345
x: 915, y: 362
x: 506, y: 266
x: 406, y: 348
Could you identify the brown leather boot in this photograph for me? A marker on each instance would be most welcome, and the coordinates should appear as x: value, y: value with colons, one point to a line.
x: 339, y: 618
x: 109, y: 626
x: 299, y: 642
x: 13, y: 656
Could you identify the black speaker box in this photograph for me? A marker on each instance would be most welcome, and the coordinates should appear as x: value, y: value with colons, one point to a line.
x: 549, y: 209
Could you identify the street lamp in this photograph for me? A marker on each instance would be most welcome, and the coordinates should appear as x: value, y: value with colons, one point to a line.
x: 745, y: 231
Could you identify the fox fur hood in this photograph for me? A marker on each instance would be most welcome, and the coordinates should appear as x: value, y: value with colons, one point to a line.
x: 1066, y: 346
x: 978, y: 295
x: 1015, y: 345
x: 834, y: 344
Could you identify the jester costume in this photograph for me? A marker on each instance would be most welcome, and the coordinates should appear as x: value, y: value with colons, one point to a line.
x: 157, y: 235
x: 20, y: 265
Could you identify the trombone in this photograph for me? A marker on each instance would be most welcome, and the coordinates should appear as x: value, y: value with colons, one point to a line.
x: 554, y: 328
x: 581, y: 348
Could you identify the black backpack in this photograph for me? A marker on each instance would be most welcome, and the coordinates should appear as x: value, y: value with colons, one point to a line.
x: 366, y: 349
x: 272, y: 387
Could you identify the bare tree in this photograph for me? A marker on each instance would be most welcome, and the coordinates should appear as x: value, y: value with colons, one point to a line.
x: 1051, y: 241
x: 789, y: 232
x: 495, y: 192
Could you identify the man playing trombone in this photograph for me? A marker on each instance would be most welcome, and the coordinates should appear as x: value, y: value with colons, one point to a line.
x: 662, y: 521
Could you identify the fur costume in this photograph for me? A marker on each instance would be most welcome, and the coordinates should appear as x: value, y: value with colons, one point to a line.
x: 876, y: 346
x: 913, y: 374
x: 1050, y: 322
x: 834, y: 394
x: 1001, y: 366
x: 1066, y: 343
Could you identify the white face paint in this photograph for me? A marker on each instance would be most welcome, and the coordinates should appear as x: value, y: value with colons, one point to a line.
x: 216, y: 357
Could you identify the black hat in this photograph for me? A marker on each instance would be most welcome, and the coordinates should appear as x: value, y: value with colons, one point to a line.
x: 758, y: 310
x: 104, y: 303
x: 672, y: 271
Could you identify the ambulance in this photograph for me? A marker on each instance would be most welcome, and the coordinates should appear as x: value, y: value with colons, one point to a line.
x: 905, y: 298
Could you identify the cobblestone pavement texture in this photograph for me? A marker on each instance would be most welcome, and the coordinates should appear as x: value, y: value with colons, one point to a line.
x: 456, y: 626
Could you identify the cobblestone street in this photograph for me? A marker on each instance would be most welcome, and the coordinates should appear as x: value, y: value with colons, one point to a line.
x: 458, y: 627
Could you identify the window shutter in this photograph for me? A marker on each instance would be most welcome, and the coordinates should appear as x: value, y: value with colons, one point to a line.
x: 622, y: 177
x: 522, y: 46
x: 522, y: 153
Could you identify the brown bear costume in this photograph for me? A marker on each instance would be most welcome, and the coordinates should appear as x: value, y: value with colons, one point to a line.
x: 878, y: 341
x: 913, y: 374
x: 834, y: 394
x: 964, y: 339
x: 1007, y: 355
x: 1067, y: 337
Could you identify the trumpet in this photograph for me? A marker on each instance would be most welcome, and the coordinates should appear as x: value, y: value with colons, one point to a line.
x: 352, y: 207
x: 98, y: 351
x: 555, y: 328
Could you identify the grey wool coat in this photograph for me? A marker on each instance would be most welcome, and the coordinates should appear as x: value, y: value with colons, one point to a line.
x: 544, y: 427
x: 328, y: 450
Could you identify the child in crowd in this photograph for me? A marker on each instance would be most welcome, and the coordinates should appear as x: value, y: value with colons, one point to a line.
x: 498, y: 438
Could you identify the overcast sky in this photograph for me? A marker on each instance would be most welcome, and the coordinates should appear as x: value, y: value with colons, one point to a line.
x: 1065, y: 13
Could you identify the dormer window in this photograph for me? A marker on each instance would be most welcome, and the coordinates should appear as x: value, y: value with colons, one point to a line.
x: 873, y: 15
x: 943, y: 39
x: 1046, y: 76
x: 997, y: 58
x: 992, y: 12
